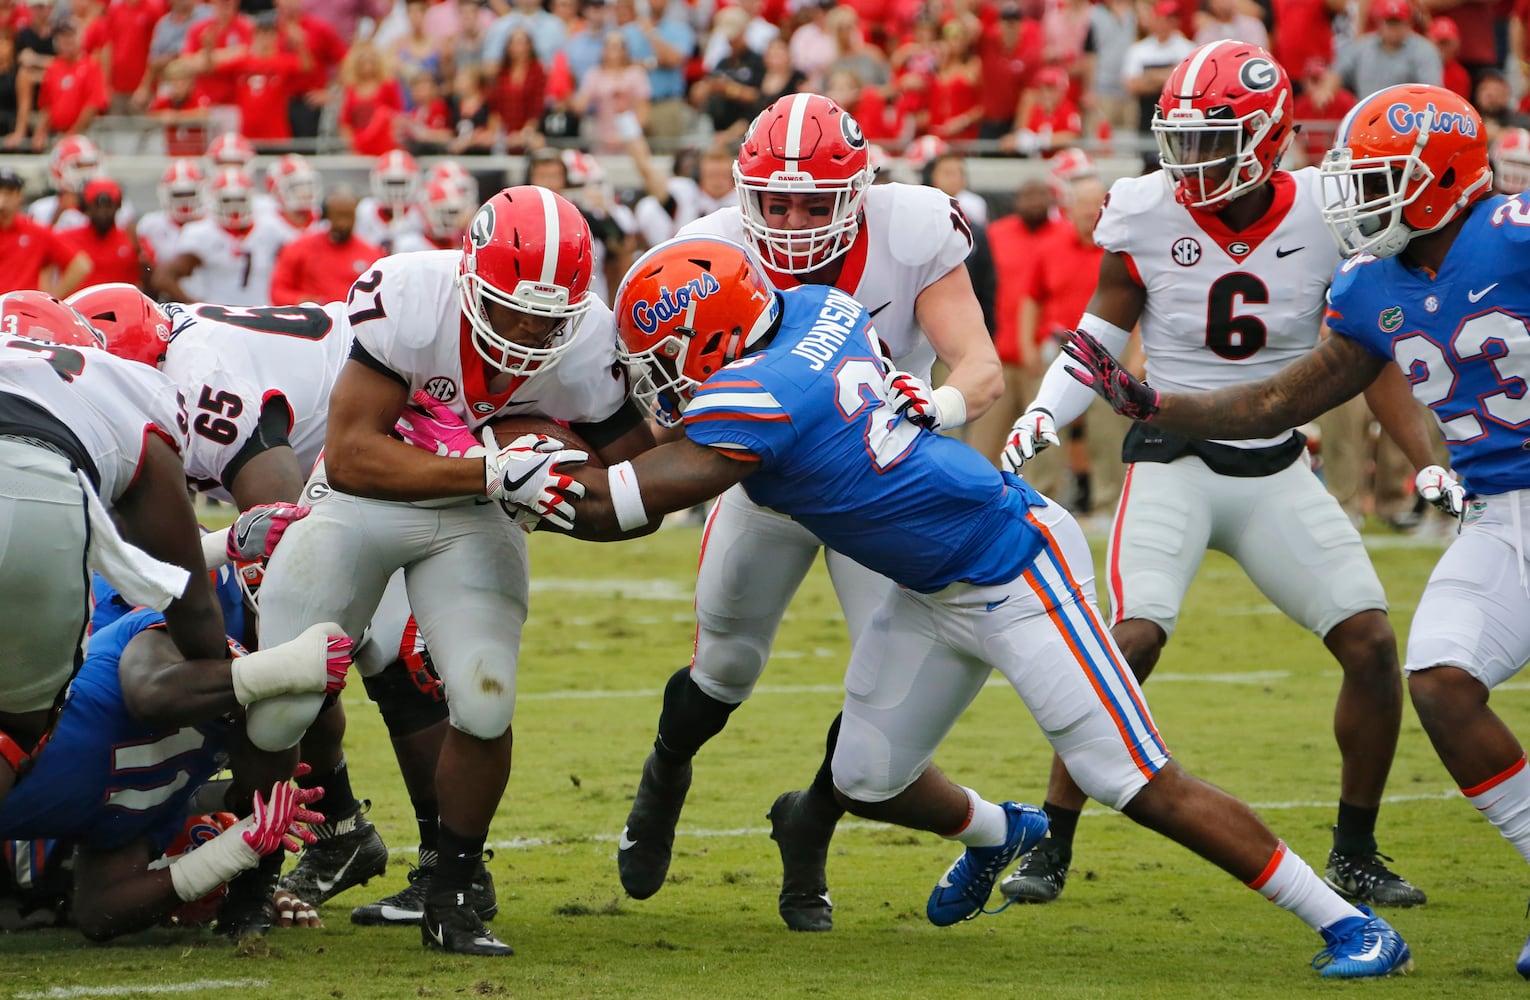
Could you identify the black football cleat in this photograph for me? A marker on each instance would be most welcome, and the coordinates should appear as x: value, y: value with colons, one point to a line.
x: 647, y: 841
x: 451, y: 925
x: 804, y: 844
x: 351, y: 856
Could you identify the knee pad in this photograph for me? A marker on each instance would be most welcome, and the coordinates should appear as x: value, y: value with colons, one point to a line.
x: 408, y: 694
x: 728, y: 661
x: 690, y: 715
x: 482, y: 716
x: 279, y: 723
x: 863, y: 767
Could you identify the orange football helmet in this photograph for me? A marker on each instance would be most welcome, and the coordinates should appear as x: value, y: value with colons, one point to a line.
x: 1405, y: 161
x: 135, y: 327
x: 1511, y: 161
x: 688, y: 307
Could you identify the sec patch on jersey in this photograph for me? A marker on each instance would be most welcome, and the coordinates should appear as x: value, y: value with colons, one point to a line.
x: 507, y: 429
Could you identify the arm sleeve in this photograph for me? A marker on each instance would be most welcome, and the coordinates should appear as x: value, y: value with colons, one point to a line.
x: 738, y: 414
x: 1061, y: 394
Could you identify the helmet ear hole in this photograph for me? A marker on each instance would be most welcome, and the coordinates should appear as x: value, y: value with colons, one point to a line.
x: 1448, y: 178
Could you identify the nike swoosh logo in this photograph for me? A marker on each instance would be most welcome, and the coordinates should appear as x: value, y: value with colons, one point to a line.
x: 873, y: 313
x: 945, y: 880
x: 511, y: 485
x: 325, y: 885
x: 1370, y: 953
x: 435, y: 932
x: 399, y: 915
x: 1476, y: 296
x: 1281, y: 252
x: 995, y: 604
x: 625, y: 843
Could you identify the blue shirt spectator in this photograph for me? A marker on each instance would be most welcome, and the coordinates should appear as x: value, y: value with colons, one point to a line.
x: 666, y: 69
x: 546, y: 31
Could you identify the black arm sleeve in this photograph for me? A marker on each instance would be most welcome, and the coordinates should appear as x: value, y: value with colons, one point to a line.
x: 361, y: 354
x: 602, y: 433
x: 275, y: 424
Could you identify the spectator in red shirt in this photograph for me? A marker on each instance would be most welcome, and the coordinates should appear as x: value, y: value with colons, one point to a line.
x: 31, y: 254
x: 1447, y: 38
x: 1010, y: 52
x: 321, y: 265
x: 326, y: 51
x: 954, y: 94
x: 1320, y: 105
x: 1476, y: 22
x: 427, y: 127
x: 119, y: 38
x: 372, y: 100
x: 1303, y: 31
x: 182, y: 107
x: 264, y: 78
x: 72, y: 92
x: 215, y: 41
x: 518, y: 93
x: 112, y: 250
x: 1053, y: 121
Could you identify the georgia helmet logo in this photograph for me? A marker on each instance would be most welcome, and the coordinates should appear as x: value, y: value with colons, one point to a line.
x: 1258, y: 75
x: 481, y: 229
x: 851, y: 130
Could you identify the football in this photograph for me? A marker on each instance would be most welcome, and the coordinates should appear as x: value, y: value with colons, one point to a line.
x: 507, y: 429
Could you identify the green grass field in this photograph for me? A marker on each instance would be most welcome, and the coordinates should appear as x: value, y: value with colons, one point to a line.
x: 1242, y: 696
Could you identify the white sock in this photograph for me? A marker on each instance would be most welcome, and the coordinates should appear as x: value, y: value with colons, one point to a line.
x: 987, y: 824
x: 1291, y: 884
x: 1505, y: 800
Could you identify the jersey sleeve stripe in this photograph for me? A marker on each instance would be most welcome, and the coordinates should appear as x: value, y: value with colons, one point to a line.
x: 759, y: 400
x: 692, y: 418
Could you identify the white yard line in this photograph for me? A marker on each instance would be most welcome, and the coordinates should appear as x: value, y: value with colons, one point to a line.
x: 127, y: 990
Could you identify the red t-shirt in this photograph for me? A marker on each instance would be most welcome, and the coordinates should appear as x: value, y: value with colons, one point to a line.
x: 326, y: 48
x: 220, y: 86
x: 879, y: 120
x: 1302, y: 33
x: 1320, y: 122
x: 432, y: 115
x: 26, y: 247
x: 1457, y: 79
x: 184, y: 138
x: 519, y: 102
x: 1063, y: 118
x: 314, y: 269
x: 951, y: 97
x: 126, y: 26
x: 1066, y: 271
x: 1008, y: 71
x: 112, y: 257
x: 1015, y: 252
x: 264, y: 83
x: 369, y: 118
x: 68, y: 88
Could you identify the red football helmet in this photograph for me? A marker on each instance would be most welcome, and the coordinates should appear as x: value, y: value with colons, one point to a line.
x: 1069, y: 165
x: 1404, y: 162
x: 445, y: 208
x: 395, y: 178
x: 1223, y: 121
x: 688, y: 307
x: 136, y: 328
x: 39, y: 316
x: 294, y: 184
x: 233, y: 199
x: 455, y: 174
x: 73, y: 161
x: 1511, y: 161
x: 802, y: 144
x: 527, y: 249
x: 230, y: 150
x: 924, y: 149
x: 182, y: 191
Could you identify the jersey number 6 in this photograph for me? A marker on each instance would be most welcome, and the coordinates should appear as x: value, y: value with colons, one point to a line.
x: 1228, y: 335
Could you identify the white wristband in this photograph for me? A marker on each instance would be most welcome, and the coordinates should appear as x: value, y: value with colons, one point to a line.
x: 215, y: 548
x: 626, y: 498
x: 950, y: 407
x: 296, y: 666
x: 196, y: 873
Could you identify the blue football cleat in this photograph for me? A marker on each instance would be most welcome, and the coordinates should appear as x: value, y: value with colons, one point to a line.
x: 1522, y: 965
x: 1361, y: 948
x: 965, y: 887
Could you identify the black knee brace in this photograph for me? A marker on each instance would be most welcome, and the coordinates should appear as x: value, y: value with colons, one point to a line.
x: 409, y: 695
x: 690, y: 717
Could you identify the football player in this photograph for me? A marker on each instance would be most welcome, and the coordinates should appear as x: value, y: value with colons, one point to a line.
x: 788, y: 396
x: 390, y: 210
x: 182, y: 199
x: 444, y: 211
x: 1437, y: 284
x: 1222, y: 259
x: 1511, y: 161
x: 807, y: 206
x: 227, y: 257
x: 73, y: 162
x: 91, y: 442
x: 295, y: 191
x: 504, y: 325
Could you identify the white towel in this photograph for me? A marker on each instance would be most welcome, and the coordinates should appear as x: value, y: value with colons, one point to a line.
x: 138, y: 576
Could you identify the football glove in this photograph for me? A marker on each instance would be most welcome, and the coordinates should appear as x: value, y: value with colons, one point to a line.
x: 437, y: 430
x: 255, y: 534
x: 276, y: 822
x: 911, y: 398
x: 1439, y: 487
x: 526, y: 474
x: 1126, y: 394
x: 1032, y: 433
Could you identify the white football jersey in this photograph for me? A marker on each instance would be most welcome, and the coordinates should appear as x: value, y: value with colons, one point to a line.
x: 1223, y: 308
x: 415, y: 242
x: 45, y: 211
x: 910, y: 237
x: 382, y: 233
x: 406, y: 313
x: 229, y: 361
x: 235, y: 270
x: 157, y: 235
x: 111, y: 405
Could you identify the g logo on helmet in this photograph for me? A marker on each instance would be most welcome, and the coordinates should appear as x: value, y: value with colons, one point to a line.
x: 851, y: 130
x: 481, y: 229
x: 648, y: 315
x: 1258, y: 75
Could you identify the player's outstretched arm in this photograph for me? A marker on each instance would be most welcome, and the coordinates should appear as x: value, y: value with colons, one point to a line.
x: 631, y: 499
x: 1402, y: 416
x: 949, y: 313
x: 156, y: 515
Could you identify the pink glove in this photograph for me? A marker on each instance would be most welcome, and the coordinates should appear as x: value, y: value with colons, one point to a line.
x: 276, y: 821
x: 338, y: 664
x: 257, y: 531
x: 438, y: 430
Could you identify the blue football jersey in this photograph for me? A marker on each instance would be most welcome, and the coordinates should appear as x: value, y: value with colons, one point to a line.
x: 104, y: 779
x: 1461, y: 336
x: 110, y: 605
x: 919, y: 508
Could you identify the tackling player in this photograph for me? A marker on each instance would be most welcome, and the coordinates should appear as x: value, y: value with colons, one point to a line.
x: 788, y: 395
x: 1223, y: 260
x: 1439, y: 285
x: 808, y: 207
